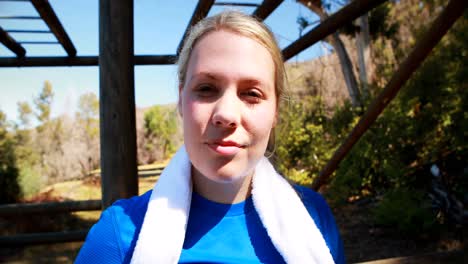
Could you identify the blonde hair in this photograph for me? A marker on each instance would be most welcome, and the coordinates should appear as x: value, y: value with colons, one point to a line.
x: 244, y: 25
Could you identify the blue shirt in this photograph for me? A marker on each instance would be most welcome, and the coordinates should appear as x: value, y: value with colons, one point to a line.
x: 216, y: 233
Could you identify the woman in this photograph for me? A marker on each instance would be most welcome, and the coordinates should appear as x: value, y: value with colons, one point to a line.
x: 219, y: 200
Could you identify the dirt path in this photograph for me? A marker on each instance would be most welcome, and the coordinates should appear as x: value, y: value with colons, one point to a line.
x: 365, y: 242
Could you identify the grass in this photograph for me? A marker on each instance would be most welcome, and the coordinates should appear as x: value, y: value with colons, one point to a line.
x: 76, y: 190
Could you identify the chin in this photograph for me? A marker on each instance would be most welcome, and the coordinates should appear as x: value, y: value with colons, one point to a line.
x: 225, y: 175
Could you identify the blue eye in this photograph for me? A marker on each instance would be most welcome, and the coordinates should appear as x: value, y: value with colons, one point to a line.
x: 205, y: 90
x: 204, y: 87
x: 252, y: 96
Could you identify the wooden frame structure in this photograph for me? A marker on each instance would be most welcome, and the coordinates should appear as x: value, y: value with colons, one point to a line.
x: 117, y: 60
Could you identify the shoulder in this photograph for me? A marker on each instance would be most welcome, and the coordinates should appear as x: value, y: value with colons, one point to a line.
x: 126, y: 213
x: 315, y: 205
x: 323, y: 218
x: 309, y: 196
x: 134, y: 206
x: 111, y: 238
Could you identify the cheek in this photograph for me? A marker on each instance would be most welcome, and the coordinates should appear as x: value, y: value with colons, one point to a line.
x: 194, y: 114
x: 261, y: 122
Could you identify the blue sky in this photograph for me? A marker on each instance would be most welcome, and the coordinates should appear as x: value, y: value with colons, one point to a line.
x: 158, y: 27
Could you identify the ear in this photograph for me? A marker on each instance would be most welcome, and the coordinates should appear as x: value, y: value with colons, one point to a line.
x: 179, y: 102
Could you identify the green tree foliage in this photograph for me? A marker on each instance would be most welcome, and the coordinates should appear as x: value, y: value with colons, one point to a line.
x: 160, y: 126
x: 24, y: 112
x: 88, y: 106
x: 303, y: 146
x: 426, y: 124
x: 88, y: 120
x: 43, y: 102
x: 379, y: 23
x: 88, y: 114
x: 10, y: 191
x: 27, y: 156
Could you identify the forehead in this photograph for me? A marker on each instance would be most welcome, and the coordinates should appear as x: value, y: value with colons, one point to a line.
x: 231, y: 55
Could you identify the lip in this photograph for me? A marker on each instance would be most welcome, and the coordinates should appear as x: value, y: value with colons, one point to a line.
x: 225, y: 147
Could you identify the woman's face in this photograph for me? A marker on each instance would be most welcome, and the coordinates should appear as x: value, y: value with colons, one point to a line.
x: 228, y: 105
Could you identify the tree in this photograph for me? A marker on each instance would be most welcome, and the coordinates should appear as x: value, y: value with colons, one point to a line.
x: 318, y: 7
x: 160, y: 127
x: 9, y: 188
x: 88, y: 120
x: 363, y: 52
x: 304, y: 145
x: 43, y: 102
x: 63, y: 149
x: 27, y: 154
x: 88, y: 106
x: 54, y: 140
x: 25, y: 112
x: 23, y: 133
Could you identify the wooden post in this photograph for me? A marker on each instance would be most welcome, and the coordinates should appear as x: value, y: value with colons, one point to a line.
x: 117, y: 101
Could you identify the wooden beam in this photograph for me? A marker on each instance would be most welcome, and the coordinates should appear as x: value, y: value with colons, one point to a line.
x: 155, y: 60
x: 81, y: 61
x: 266, y: 8
x: 28, y: 31
x: 50, y: 18
x: 11, y: 43
x: 21, y: 17
x: 345, y: 15
x: 119, y: 175
x: 201, y: 11
x: 47, y: 208
x: 455, y: 256
x: 422, y: 49
x: 39, y: 42
x: 42, y: 238
x: 236, y: 4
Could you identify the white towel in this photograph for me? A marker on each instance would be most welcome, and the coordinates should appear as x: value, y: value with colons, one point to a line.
x: 290, y: 227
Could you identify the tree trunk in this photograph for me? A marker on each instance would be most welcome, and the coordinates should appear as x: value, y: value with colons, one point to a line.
x: 345, y: 62
x: 347, y: 69
x: 363, y: 51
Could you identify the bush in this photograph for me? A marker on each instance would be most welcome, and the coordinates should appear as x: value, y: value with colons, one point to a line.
x: 9, y: 188
x: 303, y: 145
x: 426, y: 123
x: 408, y: 210
x: 30, y: 181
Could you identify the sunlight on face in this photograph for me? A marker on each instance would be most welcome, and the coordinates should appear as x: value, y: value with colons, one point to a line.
x: 228, y: 105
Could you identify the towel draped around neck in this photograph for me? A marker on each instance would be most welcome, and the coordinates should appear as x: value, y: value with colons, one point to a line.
x: 291, y: 229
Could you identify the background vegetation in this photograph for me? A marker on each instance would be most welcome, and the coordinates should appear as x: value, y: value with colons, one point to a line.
x: 425, y: 125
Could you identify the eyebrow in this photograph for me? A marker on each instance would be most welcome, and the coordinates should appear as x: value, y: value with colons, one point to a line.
x: 208, y: 75
x: 216, y: 77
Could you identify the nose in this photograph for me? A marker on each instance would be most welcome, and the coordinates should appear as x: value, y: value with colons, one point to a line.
x: 226, y: 113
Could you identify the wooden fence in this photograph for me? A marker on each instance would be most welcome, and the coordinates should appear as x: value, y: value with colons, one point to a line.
x: 25, y: 209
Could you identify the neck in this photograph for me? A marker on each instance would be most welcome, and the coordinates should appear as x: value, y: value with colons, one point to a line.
x: 222, y: 192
